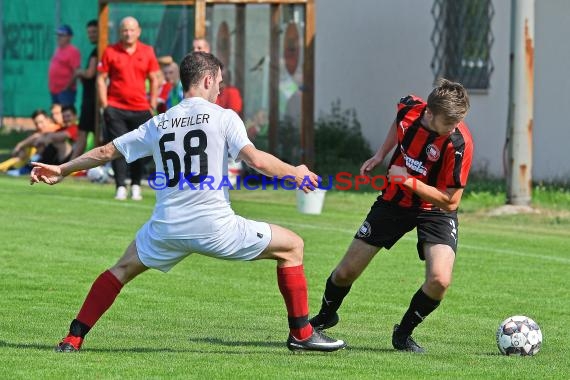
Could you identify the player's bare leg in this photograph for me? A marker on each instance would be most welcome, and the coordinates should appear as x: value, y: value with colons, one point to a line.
x: 355, y: 260
x: 439, y: 267
x: 440, y: 259
x: 287, y: 248
x: 101, y: 296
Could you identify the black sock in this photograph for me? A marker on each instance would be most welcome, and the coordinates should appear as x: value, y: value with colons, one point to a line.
x: 332, y: 298
x: 78, y: 329
x: 420, y: 307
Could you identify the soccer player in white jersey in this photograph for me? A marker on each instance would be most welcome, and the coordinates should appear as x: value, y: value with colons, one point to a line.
x: 190, y: 144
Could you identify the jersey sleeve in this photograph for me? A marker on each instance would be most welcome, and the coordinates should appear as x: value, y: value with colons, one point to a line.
x: 409, y: 108
x: 458, y: 162
x: 137, y: 143
x: 235, y: 134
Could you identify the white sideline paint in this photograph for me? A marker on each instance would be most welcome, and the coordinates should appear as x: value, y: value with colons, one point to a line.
x: 310, y: 226
x: 467, y: 246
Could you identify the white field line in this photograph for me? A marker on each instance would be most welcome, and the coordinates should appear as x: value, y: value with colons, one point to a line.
x: 467, y: 246
x: 130, y: 204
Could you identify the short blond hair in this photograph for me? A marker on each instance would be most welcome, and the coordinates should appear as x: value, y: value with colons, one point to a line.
x: 165, y: 60
x: 450, y: 100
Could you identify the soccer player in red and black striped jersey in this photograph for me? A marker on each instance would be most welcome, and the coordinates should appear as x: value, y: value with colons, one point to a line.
x: 427, y: 173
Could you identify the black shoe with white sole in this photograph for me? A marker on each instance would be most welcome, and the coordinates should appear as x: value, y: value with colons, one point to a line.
x: 316, y: 342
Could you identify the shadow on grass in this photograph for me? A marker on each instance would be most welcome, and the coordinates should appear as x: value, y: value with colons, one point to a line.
x: 385, y: 350
x: 230, y: 343
x: 212, y: 341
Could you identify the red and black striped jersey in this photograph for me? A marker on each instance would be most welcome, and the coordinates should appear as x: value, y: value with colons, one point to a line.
x: 439, y: 161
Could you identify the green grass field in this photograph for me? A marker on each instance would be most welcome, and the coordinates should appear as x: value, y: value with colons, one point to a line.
x: 214, y: 319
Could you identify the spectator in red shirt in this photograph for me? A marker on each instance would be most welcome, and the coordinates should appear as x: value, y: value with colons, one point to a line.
x: 61, y: 74
x: 164, y: 84
x: 230, y: 97
x: 56, y: 146
x: 172, y: 75
x: 123, y: 70
x: 55, y: 113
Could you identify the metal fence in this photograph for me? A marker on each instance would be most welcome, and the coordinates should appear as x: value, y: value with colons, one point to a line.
x: 462, y: 40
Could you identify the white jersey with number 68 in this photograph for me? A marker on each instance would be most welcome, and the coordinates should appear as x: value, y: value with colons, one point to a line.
x: 190, y: 144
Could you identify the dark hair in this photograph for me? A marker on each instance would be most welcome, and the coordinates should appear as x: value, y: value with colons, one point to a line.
x: 450, y: 100
x: 195, y: 66
x: 69, y: 107
x: 39, y: 112
x: 93, y: 22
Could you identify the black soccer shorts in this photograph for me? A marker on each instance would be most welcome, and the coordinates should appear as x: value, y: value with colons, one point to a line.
x: 387, y: 222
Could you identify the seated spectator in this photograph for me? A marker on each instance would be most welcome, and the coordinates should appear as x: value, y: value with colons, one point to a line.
x: 27, y: 148
x: 56, y: 115
x: 57, y: 147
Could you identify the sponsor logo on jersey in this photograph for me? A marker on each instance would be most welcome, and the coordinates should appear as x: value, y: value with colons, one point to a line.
x: 432, y: 152
x: 414, y: 164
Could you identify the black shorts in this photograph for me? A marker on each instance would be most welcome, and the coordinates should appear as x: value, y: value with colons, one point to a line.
x: 87, y: 116
x: 387, y: 222
x: 119, y: 121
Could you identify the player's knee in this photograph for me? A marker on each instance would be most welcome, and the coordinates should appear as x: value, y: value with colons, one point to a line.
x: 344, y: 276
x: 124, y: 271
x: 120, y: 272
x: 297, y: 248
x: 439, y: 284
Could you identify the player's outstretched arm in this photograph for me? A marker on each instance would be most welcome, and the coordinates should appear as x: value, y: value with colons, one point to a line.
x: 389, y: 143
x: 270, y: 165
x: 52, y: 174
x: 447, y: 200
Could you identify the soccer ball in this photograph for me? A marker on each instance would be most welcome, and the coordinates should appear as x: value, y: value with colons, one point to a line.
x: 519, y: 335
x: 98, y: 174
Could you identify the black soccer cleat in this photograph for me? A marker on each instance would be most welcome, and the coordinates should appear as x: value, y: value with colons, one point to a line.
x: 405, y: 342
x: 323, y: 321
x: 69, y: 344
x: 316, y: 342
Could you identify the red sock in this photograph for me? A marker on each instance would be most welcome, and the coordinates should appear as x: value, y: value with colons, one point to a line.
x: 100, y: 298
x: 293, y: 287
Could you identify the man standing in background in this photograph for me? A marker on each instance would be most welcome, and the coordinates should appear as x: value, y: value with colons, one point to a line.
x: 123, y: 70
x: 172, y: 75
x: 88, y: 77
x: 61, y: 74
x: 200, y: 44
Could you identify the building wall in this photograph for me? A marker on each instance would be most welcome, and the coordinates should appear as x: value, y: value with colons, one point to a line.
x: 551, y: 90
x: 371, y: 52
